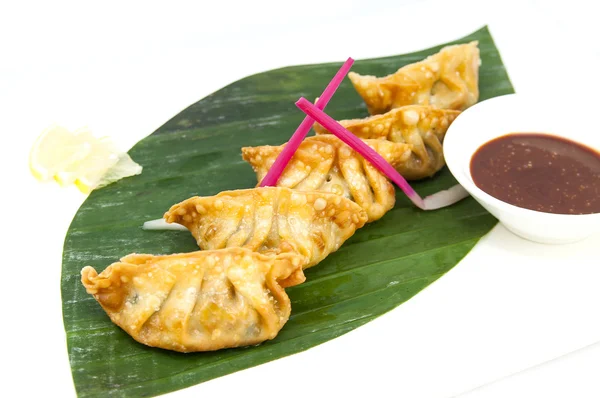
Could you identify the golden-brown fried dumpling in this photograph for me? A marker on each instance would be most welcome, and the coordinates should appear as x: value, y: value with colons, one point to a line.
x: 448, y: 79
x: 271, y: 220
x: 200, y: 301
x: 325, y: 163
x: 424, y: 127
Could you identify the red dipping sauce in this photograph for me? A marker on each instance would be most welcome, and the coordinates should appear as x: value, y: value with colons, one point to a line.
x: 539, y: 172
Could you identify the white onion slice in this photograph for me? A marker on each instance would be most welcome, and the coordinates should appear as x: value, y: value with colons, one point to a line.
x: 161, y: 224
x: 445, y: 198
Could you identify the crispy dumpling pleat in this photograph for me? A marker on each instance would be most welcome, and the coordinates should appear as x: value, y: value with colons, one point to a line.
x: 271, y: 220
x: 448, y: 80
x: 421, y: 126
x: 325, y: 163
x: 200, y: 301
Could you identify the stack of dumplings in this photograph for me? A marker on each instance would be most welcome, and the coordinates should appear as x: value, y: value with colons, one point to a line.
x: 257, y: 242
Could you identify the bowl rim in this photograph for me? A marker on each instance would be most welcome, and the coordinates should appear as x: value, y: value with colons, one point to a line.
x: 452, y: 140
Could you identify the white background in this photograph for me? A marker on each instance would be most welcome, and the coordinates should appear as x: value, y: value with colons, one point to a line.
x: 125, y: 68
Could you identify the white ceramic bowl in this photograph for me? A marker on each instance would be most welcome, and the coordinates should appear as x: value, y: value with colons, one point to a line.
x: 519, y: 114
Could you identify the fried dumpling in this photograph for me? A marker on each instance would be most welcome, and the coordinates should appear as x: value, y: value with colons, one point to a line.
x: 448, y: 80
x: 422, y: 126
x: 271, y: 220
x: 200, y: 301
x: 325, y: 163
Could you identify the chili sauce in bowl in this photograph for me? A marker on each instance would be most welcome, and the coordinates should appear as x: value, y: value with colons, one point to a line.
x: 533, y: 166
x: 540, y: 172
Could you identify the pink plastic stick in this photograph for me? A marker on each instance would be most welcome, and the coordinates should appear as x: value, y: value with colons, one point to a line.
x: 290, y: 148
x: 363, y: 149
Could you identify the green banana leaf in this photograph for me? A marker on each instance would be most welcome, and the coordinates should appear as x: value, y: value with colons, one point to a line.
x: 198, y: 153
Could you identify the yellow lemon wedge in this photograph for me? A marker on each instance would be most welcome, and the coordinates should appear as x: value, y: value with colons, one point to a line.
x: 79, y: 158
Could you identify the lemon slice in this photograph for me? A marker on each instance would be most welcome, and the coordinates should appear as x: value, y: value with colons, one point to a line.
x: 55, y: 150
x: 79, y: 158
